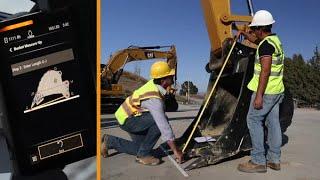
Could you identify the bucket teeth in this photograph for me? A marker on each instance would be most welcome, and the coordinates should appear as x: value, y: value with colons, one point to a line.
x: 198, y: 163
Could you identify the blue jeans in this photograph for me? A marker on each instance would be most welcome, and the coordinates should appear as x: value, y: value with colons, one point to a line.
x: 144, y: 134
x: 255, y: 121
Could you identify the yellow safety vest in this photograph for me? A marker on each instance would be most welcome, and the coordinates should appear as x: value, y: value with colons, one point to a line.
x: 275, y: 82
x: 132, y: 105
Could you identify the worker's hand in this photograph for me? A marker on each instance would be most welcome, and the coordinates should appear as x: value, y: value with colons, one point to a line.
x: 177, y: 152
x: 258, y: 102
x: 179, y: 156
x: 240, y: 33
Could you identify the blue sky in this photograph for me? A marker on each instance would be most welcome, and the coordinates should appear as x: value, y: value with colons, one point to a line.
x: 181, y: 22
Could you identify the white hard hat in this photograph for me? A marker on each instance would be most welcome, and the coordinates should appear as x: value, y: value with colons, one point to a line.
x: 262, y: 18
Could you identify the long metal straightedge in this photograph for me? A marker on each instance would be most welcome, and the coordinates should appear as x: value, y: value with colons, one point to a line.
x: 210, y: 95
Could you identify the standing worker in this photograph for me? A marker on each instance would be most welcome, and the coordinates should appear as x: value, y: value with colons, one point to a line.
x: 268, y: 91
x: 143, y: 116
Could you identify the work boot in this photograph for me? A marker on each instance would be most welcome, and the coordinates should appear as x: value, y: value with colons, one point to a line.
x: 104, y: 146
x: 251, y: 167
x: 148, y: 160
x: 274, y: 166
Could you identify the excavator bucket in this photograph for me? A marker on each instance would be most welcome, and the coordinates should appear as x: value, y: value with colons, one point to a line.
x: 223, y: 126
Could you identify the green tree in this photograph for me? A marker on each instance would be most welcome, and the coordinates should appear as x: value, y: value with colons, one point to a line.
x: 314, y: 75
x: 315, y: 60
x: 302, y: 78
x: 184, y: 88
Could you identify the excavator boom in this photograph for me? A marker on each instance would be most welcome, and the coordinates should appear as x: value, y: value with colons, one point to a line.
x: 120, y: 58
x: 134, y: 53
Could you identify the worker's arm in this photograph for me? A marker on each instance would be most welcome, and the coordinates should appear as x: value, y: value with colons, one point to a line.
x: 177, y: 152
x: 265, y: 62
x: 249, y: 36
x: 156, y: 109
x: 265, y: 52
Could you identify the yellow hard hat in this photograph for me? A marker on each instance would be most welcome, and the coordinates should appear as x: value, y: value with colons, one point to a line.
x: 161, y: 69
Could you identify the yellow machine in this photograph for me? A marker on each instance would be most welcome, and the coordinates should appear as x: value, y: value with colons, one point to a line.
x: 112, y: 93
x: 221, y: 23
x: 221, y: 120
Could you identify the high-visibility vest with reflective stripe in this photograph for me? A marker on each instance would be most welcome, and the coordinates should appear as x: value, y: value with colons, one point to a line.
x: 131, y: 106
x: 275, y: 82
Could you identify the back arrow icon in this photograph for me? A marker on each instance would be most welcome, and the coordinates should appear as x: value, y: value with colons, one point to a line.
x: 10, y: 49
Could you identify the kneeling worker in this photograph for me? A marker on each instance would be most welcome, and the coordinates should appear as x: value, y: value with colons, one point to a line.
x: 142, y: 115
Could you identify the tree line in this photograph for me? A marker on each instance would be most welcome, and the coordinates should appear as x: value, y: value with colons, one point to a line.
x: 302, y: 78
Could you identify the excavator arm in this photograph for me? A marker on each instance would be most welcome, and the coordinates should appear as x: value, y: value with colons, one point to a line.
x: 134, y: 53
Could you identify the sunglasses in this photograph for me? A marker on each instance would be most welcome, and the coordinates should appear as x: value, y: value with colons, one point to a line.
x: 255, y: 28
